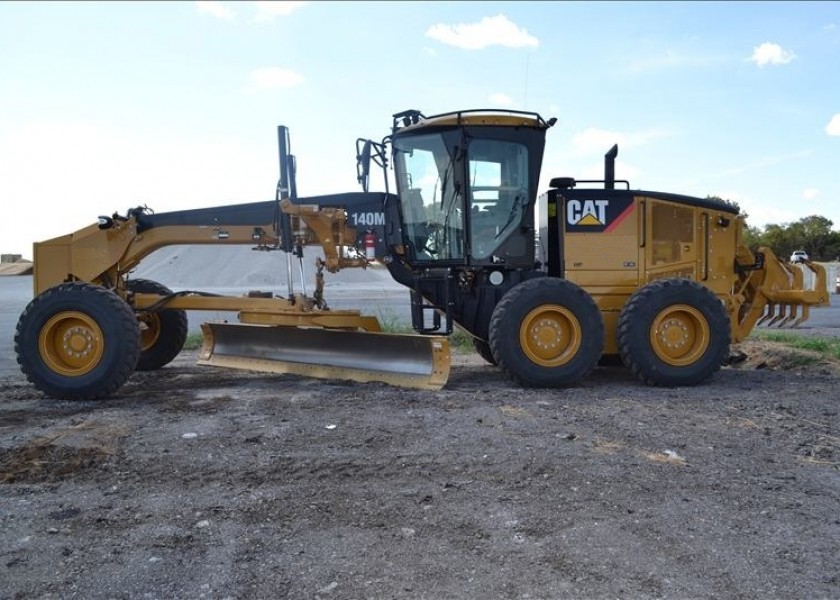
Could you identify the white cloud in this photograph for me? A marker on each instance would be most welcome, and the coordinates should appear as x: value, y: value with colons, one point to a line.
x: 272, y: 78
x: 833, y: 127
x: 669, y: 59
x: 92, y: 161
x: 759, y: 212
x: 500, y: 99
x: 763, y: 163
x: 595, y: 170
x: 594, y: 139
x: 214, y: 8
x: 810, y: 193
x: 601, y: 140
x: 268, y: 11
x: 490, y: 31
x: 771, y: 54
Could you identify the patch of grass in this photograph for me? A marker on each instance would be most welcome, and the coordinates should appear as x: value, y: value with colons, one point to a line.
x: 804, y: 360
x: 391, y: 323
x: 459, y: 340
x: 193, y: 341
x: 825, y: 347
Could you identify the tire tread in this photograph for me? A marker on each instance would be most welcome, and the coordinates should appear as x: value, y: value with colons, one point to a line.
x: 592, y: 327
x: 173, y: 325
x: 125, y: 327
x: 642, y: 366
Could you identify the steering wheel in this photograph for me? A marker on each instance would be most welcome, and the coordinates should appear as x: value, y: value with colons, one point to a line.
x: 426, y: 237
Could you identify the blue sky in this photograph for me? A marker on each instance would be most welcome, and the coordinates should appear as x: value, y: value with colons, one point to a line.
x: 109, y: 105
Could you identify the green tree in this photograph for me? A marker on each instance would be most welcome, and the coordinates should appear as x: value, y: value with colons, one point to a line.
x: 778, y: 239
x: 813, y: 234
x: 816, y: 235
x: 752, y: 237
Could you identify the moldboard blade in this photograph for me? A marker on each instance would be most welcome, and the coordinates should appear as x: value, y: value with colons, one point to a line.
x: 413, y: 361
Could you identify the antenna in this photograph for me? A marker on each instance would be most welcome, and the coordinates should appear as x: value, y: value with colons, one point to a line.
x: 525, y: 94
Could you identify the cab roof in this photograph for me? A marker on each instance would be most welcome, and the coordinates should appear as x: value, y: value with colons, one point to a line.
x: 413, y: 119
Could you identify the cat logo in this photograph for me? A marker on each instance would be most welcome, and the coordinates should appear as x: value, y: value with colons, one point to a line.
x: 597, y: 215
x: 587, y: 212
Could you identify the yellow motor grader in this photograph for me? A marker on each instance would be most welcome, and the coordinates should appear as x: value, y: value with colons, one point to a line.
x: 547, y: 285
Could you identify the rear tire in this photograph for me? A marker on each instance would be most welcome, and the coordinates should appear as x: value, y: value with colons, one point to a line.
x: 547, y: 332
x: 162, y: 333
x: 77, y: 341
x: 674, y: 332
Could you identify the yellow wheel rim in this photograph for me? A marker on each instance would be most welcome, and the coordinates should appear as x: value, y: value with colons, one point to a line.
x: 149, y: 330
x: 550, y: 335
x: 680, y: 335
x: 71, y: 343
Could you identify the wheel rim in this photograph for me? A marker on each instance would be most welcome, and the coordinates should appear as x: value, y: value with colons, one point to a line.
x: 680, y: 335
x: 550, y: 335
x: 149, y: 330
x: 71, y: 343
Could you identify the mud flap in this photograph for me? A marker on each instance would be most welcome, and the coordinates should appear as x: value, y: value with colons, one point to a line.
x: 412, y: 361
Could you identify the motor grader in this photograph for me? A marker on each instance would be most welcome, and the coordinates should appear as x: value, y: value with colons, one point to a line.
x: 546, y: 285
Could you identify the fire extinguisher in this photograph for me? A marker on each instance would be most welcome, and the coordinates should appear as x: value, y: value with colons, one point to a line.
x: 370, y: 245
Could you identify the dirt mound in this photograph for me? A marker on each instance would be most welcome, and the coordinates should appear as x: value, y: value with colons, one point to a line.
x: 756, y: 354
x: 60, y: 455
x: 23, y: 267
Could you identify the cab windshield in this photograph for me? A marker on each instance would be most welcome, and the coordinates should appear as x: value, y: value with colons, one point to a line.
x: 430, y: 189
x: 438, y: 205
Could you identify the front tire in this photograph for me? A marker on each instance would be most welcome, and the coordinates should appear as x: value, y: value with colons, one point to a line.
x: 673, y: 332
x: 162, y: 333
x: 547, y: 332
x: 77, y: 341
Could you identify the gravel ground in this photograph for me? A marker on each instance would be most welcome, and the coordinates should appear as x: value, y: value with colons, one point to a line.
x: 197, y: 482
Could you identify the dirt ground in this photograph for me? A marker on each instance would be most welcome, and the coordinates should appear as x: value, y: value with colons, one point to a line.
x: 198, y: 482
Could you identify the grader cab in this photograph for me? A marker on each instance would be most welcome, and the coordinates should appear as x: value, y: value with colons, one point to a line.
x: 547, y: 285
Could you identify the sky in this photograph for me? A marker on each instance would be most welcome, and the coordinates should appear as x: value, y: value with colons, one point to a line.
x: 106, y: 106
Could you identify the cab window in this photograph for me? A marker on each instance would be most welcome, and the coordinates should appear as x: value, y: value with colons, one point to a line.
x: 498, y: 192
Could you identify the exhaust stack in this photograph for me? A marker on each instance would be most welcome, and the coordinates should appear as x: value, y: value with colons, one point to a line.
x: 609, y: 168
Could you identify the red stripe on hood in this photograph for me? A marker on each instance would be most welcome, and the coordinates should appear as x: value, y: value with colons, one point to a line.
x: 617, y: 221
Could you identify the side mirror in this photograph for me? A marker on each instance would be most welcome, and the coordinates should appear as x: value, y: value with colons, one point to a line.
x: 363, y: 162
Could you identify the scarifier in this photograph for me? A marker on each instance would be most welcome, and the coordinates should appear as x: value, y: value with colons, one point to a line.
x: 546, y: 285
